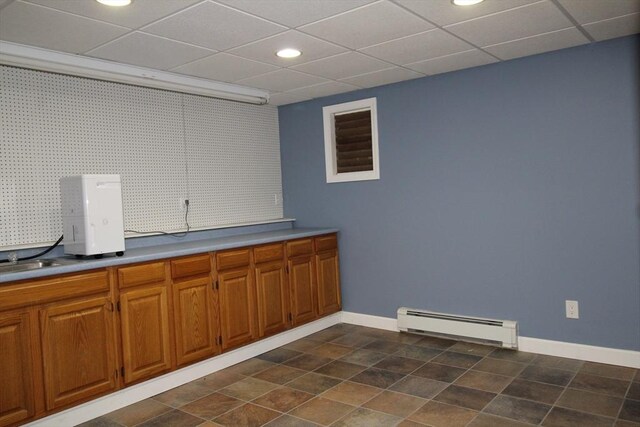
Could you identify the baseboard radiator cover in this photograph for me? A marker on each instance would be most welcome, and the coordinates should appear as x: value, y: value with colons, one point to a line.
x: 501, y: 332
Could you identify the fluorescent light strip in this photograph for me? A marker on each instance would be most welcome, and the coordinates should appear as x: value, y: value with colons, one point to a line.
x: 64, y: 63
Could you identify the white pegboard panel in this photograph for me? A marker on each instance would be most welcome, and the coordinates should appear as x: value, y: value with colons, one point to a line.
x: 55, y: 125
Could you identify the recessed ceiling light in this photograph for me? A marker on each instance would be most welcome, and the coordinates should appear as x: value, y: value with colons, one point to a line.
x: 288, y: 53
x: 115, y: 3
x: 466, y: 2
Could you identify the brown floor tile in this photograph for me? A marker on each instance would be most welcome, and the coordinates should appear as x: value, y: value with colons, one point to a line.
x: 182, y: 395
x: 173, y: 418
x: 598, y: 384
x: 283, y: 399
x: 322, y: 411
x: 634, y: 391
x: 340, y: 369
x: 435, y: 342
x: 138, y: 412
x: 484, y: 381
x: 279, y: 355
x: 248, y: 415
x: 561, y: 363
x: 518, y: 409
x: 465, y: 397
x: 365, y: 418
x: 399, y: 364
x: 364, y: 357
x: 630, y: 411
x: 561, y: 417
x: 208, y: 424
x: 424, y: 354
x: 377, y: 377
x: 211, y: 406
x: 408, y: 338
x: 610, y: 371
x: 419, y: 386
x: 289, y: 421
x: 500, y: 367
x: 381, y: 346
x: 314, y: 383
x: 326, y: 335
x: 219, y: 380
x: 637, y: 377
x: 248, y: 389
x: 436, y: 371
x: 459, y: 360
x: 439, y: 414
x: 308, y: 362
x: 353, y: 340
x: 279, y: 374
x: 331, y: 350
x: 545, y: 393
x: 100, y: 422
x: 471, y: 348
x: 485, y: 420
x: 398, y: 404
x: 303, y: 345
x: 351, y: 393
x: 547, y: 375
x: 407, y: 423
x: 623, y: 423
x: 249, y: 367
x: 512, y: 355
x: 594, y: 403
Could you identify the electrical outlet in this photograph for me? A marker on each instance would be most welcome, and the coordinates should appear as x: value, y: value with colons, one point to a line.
x: 572, y: 309
x: 182, y: 203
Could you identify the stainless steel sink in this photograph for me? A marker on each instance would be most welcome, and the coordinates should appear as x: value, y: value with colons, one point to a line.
x: 34, y: 264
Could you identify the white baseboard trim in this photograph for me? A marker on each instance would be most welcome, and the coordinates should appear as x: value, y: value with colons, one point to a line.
x: 612, y: 356
x: 138, y: 392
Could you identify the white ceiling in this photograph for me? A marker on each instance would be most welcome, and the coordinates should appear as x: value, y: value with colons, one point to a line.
x: 346, y: 44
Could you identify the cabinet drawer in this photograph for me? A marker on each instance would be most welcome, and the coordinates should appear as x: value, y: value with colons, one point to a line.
x: 141, y: 274
x: 300, y: 247
x: 232, y: 258
x: 324, y: 243
x: 268, y: 253
x: 185, y: 267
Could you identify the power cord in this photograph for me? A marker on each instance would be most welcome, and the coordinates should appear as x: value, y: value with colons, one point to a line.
x: 178, y: 235
x: 46, y: 251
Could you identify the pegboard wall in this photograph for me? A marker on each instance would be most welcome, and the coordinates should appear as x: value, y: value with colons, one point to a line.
x: 223, y: 156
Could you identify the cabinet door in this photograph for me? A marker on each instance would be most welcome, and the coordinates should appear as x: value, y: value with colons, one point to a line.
x: 301, y: 283
x: 16, y: 369
x: 273, y: 307
x: 78, y: 350
x: 237, y: 308
x: 328, y: 282
x: 146, y: 347
x: 195, y: 323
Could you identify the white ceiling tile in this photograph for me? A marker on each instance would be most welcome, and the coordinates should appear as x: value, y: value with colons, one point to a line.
x: 427, y: 45
x: 443, y: 12
x: 214, y: 26
x: 294, y: 13
x: 281, y: 80
x: 457, y: 61
x: 265, y: 50
x: 586, y: 11
x: 138, y: 13
x: 150, y: 51
x: 282, y: 98
x: 324, y: 89
x: 43, y: 27
x: 343, y: 65
x: 616, y: 27
x: 538, y: 44
x: 224, y: 67
x: 525, y: 21
x: 384, y: 77
x: 368, y: 25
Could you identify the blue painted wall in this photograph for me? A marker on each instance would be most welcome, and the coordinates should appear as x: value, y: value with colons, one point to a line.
x: 505, y: 190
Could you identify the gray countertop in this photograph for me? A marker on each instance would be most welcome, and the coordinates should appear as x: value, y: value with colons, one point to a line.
x: 169, y: 251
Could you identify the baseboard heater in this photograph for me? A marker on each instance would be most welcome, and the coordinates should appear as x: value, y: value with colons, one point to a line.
x: 502, y: 332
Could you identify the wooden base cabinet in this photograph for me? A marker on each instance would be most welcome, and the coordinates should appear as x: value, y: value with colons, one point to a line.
x: 327, y: 274
x: 17, y: 401
x: 303, y: 289
x: 237, y: 307
x: 273, y: 298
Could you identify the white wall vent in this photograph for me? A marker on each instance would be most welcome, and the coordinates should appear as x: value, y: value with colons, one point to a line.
x: 504, y: 332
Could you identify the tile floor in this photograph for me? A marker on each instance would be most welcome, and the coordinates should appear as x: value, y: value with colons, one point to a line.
x: 354, y: 376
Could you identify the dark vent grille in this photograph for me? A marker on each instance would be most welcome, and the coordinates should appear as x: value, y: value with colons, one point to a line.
x: 456, y: 318
x: 354, y: 152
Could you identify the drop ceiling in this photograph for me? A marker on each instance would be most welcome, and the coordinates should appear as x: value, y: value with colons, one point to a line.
x: 346, y: 44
